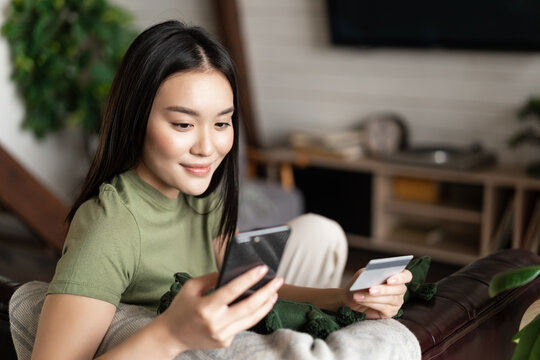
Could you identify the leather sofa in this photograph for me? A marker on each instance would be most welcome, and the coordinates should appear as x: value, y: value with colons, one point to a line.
x: 460, y: 322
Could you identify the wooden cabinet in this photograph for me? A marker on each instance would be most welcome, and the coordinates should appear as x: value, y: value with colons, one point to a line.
x: 454, y: 216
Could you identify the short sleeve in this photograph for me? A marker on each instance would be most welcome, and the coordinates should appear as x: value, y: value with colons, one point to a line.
x: 101, y: 252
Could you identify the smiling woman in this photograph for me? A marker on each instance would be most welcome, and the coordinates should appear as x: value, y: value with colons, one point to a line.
x: 161, y: 197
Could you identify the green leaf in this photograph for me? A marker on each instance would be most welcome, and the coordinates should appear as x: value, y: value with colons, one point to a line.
x: 520, y: 332
x: 528, y: 340
x: 531, y: 107
x: 64, y: 55
x: 513, y: 279
x: 528, y: 135
x: 535, y: 351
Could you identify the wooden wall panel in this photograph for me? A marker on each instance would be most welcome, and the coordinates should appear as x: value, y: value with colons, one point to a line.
x: 23, y: 195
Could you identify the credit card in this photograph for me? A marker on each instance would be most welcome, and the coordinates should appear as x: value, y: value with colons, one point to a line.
x: 378, y: 270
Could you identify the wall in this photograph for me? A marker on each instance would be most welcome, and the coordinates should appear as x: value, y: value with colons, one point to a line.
x: 300, y: 82
x: 192, y: 12
x: 56, y: 161
x: 59, y: 161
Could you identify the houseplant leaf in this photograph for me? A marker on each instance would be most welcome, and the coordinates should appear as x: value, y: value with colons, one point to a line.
x: 513, y: 279
x: 64, y: 55
x: 528, y: 340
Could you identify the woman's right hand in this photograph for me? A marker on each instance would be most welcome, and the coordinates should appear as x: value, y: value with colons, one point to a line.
x: 198, y: 321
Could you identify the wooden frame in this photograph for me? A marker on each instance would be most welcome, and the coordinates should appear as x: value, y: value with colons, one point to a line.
x: 228, y: 21
x: 23, y: 195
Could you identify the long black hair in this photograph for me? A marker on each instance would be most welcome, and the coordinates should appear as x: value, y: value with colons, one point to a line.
x: 160, y: 51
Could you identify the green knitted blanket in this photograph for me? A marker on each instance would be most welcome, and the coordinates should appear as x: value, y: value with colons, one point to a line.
x: 306, y: 317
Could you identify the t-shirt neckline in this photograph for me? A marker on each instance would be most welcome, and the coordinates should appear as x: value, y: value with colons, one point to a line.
x: 152, y: 194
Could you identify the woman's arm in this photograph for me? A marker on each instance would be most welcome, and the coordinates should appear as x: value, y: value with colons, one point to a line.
x: 381, y: 301
x: 72, y: 327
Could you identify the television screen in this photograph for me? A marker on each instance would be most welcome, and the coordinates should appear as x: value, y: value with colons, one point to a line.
x: 467, y: 24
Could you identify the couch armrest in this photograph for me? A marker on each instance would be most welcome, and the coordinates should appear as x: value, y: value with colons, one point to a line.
x: 462, y: 321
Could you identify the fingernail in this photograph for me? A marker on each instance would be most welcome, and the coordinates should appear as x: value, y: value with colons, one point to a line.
x: 262, y: 269
x: 359, y: 297
x: 392, y: 281
x: 278, y: 282
x: 274, y: 298
x: 374, y: 291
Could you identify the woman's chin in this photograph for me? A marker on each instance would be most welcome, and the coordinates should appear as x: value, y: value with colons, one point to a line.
x: 195, y: 189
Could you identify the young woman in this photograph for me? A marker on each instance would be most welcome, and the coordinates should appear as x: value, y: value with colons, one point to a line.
x: 161, y: 196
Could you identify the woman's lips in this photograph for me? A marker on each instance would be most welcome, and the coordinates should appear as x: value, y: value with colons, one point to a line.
x: 199, y: 170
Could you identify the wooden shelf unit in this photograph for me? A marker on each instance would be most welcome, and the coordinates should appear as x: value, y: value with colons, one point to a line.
x: 470, y: 229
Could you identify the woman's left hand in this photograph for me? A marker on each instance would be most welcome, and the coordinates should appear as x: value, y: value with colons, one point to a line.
x: 380, y: 301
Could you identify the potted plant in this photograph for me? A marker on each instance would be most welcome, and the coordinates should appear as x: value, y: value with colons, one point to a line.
x: 65, y: 54
x: 531, y: 110
x: 528, y: 337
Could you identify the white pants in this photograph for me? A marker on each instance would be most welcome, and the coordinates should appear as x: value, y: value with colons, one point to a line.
x: 316, y: 252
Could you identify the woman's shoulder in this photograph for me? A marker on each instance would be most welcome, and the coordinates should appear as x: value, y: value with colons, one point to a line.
x: 106, y: 221
x: 108, y: 206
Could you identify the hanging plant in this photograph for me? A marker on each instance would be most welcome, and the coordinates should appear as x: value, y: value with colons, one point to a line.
x: 65, y: 54
x: 529, y: 135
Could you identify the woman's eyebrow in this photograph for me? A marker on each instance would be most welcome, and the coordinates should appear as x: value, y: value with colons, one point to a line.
x: 184, y: 110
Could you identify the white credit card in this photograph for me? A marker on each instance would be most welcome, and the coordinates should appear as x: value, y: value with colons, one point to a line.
x: 378, y: 270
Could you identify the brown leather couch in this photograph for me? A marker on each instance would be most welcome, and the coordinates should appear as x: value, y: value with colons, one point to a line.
x: 460, y: 322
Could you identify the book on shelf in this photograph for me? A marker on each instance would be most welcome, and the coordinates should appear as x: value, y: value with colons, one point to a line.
x: 502, y: 237
x: 347, y: 145
x: 531, y: 238
x: 417, y: 190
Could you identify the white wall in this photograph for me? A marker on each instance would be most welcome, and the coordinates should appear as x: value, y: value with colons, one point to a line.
x: 59, y: 161
x: 192, y: 12
x: 300, y: 81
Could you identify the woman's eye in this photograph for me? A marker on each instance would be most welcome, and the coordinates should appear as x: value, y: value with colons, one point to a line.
x: 182, y: 126
x: 222, y: 125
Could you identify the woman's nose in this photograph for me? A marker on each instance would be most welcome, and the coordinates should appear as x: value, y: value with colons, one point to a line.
x: 203, y: 144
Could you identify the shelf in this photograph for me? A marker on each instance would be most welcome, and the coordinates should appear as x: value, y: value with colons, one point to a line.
x: 513, y: 176
x: 451, y: 215
x: 441, y: 212
x: 437, y: 254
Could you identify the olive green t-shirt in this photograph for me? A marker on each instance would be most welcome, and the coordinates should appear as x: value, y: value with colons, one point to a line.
x: 126, y: 244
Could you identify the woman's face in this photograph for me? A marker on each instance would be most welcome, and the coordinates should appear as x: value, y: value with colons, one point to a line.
x: 189, y: 132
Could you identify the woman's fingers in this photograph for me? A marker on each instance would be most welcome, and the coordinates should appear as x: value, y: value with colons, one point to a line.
x: 236, y: 287
x: 386, y: 310
x: 257, y: 310
x: 252, y: 303
x: 392, y: 300
x: 380, y: 290
x: 249, y: 311
x: 403, y: 277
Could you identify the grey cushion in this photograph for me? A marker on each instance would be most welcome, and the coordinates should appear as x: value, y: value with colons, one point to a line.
x: 265, y: 203
x: 372, y: 339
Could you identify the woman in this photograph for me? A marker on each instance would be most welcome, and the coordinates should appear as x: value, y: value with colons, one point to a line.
x: 161, y: 196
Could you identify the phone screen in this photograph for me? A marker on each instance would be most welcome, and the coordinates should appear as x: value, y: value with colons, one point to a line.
x: 252, y: 248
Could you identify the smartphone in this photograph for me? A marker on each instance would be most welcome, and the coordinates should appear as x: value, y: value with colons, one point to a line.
x: 378, y: 270
x: 249, y: 249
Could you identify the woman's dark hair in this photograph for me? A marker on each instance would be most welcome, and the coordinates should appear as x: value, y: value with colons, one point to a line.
x: 160, y: 51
